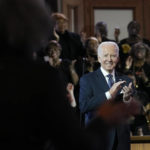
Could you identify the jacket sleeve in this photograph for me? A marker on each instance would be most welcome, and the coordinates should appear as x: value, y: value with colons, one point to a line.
x: 88, y: 100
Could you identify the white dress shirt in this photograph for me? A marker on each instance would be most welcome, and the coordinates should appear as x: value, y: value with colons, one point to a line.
x: 105, y: 73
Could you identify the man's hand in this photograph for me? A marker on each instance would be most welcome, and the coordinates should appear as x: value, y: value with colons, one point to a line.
x: 127, y: 92
x: 115, y: 88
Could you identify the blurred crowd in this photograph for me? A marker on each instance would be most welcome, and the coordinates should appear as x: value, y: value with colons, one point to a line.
x: 76, y: 54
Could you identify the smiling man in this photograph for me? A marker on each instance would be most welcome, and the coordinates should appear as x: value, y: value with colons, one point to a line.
x: 105, y: 84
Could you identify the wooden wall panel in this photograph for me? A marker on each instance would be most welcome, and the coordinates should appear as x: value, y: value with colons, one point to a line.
x: 146, y: 16
x: 141, y: 146
x: 136, y: 5
x: 77, y: 5
x: 85, y: 12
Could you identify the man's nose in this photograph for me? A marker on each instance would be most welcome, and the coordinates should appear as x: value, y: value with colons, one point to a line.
x: 109, y: 58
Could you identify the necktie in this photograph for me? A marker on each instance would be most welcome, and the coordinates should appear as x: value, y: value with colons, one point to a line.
x: 110, y: 80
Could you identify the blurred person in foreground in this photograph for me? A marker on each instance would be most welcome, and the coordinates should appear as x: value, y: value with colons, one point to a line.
x: 34, y: 111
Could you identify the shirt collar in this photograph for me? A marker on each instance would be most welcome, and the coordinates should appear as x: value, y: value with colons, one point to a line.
x: 105, y: 73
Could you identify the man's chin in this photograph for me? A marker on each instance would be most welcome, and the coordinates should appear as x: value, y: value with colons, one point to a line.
x: 109, y: 69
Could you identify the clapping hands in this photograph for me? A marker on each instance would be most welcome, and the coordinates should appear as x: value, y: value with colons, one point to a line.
x: 115, y: 88
x: 127, y: 92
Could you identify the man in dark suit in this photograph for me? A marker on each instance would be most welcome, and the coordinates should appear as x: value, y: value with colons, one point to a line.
x: 95, y: 88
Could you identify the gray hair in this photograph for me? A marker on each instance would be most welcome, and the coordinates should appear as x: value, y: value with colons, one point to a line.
x: 99, y: 51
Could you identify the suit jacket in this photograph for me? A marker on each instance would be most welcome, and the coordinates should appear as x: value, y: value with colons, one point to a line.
x: 92, y: 94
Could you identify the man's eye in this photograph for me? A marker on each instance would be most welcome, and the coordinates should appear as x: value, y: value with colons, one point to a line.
x: 114, y: 56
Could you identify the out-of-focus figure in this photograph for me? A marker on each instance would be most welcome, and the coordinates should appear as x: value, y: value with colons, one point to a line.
x: 72, y: 47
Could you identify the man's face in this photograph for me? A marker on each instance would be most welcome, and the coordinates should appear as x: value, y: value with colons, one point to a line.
x: 108, y: 58
x: 61, y: 25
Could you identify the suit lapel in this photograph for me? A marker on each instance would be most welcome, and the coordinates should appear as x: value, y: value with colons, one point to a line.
x: 117, y: 77
x: 101, y: 79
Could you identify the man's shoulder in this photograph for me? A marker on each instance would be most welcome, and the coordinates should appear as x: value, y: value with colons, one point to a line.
x: 89, y: 75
